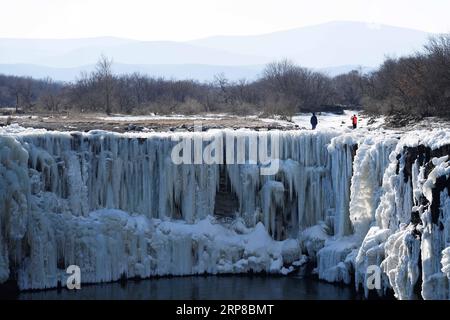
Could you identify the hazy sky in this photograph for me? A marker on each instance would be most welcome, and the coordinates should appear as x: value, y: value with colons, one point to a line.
x: 190, y: 19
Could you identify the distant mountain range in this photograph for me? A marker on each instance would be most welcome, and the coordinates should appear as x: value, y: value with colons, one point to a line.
x: 334, y: 47
x: 201, y: 72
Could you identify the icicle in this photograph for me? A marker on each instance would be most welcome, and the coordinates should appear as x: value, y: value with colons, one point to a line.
x: 117, y: 204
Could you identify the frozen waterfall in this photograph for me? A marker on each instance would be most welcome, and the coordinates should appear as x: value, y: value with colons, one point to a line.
x: 118, y: 206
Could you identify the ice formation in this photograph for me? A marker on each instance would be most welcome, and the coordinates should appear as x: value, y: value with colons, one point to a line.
x: 118, y: 206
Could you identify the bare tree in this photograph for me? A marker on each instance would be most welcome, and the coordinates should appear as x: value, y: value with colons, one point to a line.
x: 221, y: 82
x: 16, y: 90
x: 349, y: 88
x: 50, y: 97
x: 23, y: 91
x: 416, y: 85
x: 105, y: 79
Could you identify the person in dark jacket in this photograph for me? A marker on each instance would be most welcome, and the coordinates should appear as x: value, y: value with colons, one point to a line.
x: 314, y: 121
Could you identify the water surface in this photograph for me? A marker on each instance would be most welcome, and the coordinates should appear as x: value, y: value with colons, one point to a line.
x: 203, y: 288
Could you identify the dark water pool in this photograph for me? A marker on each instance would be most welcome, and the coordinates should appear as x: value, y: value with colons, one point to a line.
x: 204, y: 287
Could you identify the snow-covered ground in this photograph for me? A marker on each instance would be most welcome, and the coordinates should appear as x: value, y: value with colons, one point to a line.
x: 116, y: 205
x: 130, y: 119
x: 326, y: 120
x: 18, y: 117
x: 338, y: 121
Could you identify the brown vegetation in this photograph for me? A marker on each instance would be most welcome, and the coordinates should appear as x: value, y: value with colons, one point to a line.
x: 417, y: 85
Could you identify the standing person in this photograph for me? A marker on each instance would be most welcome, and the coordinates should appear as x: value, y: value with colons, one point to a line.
x: 314, y: 121
x: 354, y: 121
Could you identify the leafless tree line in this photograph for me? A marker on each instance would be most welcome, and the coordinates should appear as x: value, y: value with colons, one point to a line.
x: 283, y: 89
x: 417, y: 84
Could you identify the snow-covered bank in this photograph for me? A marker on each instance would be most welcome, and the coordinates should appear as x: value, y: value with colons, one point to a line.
x: 116, y: 205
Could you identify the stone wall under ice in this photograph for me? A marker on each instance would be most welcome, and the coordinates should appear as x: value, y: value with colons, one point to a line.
x: 117, y: 206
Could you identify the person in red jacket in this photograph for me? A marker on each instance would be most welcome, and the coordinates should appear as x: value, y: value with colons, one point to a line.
x: 354, y: 121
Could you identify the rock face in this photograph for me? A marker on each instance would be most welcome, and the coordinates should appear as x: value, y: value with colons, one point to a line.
x: 411, y: 229
x: 118, y: 206
x: 226, y: 203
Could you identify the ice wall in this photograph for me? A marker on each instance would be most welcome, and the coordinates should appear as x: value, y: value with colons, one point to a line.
x: 409, y: 234
x: 118, y: 206
x: 359, y: 162
x: 134, y: 174
x: 436, y: 231
x: 54, y: 181
x: 303, y: 196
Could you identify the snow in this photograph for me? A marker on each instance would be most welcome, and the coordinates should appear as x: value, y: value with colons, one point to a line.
x: 446, y: 261
x: 117, y: 206
x: 328, y: 121
x: 12, y: 118
x: 337, y: 121
x: 129, y: 118
x: 436, y: 237
x: 370, y: 162
x: 108, y: 244
x: 313, y: 239
x: 401, y: 265
x: 332, y: 264
x: 370, y: 253
x: 277, y: 120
